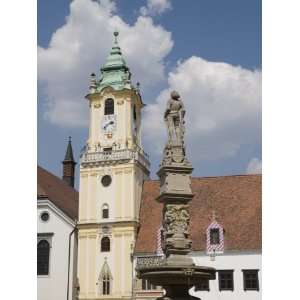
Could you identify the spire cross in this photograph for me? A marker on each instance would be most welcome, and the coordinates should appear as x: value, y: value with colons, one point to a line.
x: 70, y: 138
x: 116, y: 33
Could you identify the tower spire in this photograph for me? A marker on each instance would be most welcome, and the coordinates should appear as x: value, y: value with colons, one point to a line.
x: 115, y: 72
x: 69, y: 165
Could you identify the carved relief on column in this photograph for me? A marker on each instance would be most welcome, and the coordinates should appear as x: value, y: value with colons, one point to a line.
x: 175, y: 228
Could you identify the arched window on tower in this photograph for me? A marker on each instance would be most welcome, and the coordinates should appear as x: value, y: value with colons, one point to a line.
x: 134, y: 112
x: 105, y: 211
x: 109, y: 107
x: 105, y: 244
x: 43, y: 251
x: 106, y: 285
x: 105, y: 280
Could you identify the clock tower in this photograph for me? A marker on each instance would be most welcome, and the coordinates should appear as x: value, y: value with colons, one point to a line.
x: 113, y: 168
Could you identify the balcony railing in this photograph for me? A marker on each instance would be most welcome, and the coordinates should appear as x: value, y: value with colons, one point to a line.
x: 108, y: 157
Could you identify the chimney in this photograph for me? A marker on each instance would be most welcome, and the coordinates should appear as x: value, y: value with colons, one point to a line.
x: 69, y: 165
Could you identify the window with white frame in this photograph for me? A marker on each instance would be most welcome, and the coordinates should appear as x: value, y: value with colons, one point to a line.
x: 215, y: 238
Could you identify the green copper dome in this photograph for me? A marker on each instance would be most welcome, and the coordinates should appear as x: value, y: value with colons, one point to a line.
x: 115, y: 72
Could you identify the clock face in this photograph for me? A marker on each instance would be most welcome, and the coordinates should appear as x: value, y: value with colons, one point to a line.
x: 108, y: 123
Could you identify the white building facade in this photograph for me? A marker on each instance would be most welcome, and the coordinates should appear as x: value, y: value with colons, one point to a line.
x: 240, y: 264
x: 56, y: 243
x: 58, y: 232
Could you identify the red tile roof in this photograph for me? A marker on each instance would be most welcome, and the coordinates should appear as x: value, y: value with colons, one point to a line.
x: 57, y: 191
x: 236, y: 201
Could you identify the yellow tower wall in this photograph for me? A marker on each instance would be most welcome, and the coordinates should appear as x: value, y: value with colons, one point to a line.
x: 123, y: 197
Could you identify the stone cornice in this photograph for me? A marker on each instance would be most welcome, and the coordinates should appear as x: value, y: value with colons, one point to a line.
x: 87, y: 225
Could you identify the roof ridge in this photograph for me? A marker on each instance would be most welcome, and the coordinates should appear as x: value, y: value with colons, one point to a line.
x: 57, y: 191
x: 222, y: 176
x: 58, y: 178
x: 211, y: 177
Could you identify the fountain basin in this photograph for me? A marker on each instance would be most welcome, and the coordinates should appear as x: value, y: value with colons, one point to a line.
x: 176, y: 275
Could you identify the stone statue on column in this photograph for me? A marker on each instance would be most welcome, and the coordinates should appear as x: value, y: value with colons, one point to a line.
x: 174, y: 151
x: 177, y: 273
x: 174, y: 119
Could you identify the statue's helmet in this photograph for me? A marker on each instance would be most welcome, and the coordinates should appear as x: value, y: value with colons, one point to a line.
x: 175, y: 95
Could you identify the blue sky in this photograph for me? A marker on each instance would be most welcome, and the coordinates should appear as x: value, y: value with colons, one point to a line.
x: 215, y: 46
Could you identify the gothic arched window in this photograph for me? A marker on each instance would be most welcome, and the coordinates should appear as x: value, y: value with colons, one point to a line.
x: 105, y: 244
x: 105, y: 211
x: 43, y: 251
x: 109, y: 107
x: 106, y: 284
x: 105, y: 280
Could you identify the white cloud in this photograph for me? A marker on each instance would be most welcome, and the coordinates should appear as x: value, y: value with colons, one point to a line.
x: 223, y: 101
x: 156, y: 7
x: 81, y: 46
x: 223, y: 104
x: 254, y: 166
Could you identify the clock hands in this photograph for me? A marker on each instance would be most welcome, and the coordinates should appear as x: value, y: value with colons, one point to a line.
x: 110, y: 123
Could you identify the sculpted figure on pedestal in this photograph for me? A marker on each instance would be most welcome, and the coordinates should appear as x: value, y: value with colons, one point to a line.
x: 174, y: 119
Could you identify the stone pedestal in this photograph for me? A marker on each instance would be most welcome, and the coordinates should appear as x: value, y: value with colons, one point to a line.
x: 176, y: 273
x: 175, y: 194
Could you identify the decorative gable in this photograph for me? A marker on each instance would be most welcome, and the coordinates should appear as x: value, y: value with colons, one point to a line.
x: 105, y: 271
x: 214, y: 238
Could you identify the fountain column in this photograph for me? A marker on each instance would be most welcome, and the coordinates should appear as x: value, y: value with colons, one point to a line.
x: 176, y: 273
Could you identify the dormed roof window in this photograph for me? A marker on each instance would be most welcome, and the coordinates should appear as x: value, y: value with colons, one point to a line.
x: 214, y: 238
